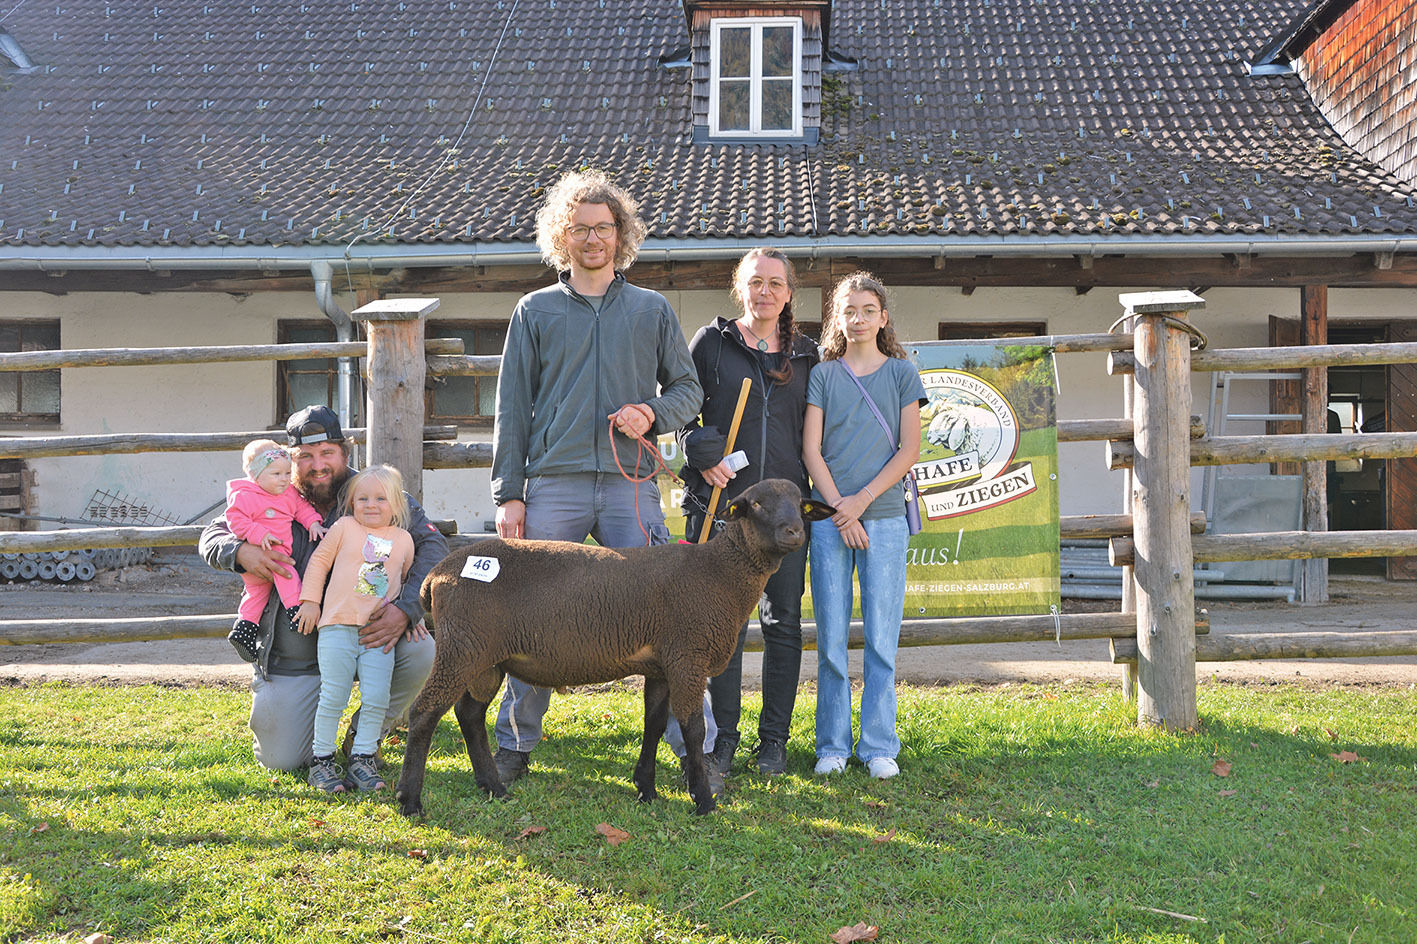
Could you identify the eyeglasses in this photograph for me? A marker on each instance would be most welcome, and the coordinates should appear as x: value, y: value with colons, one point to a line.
x: 775, y: 286
x: 580, y: 234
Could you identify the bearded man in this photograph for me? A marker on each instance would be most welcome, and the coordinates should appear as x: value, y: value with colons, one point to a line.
x: 285, y: 685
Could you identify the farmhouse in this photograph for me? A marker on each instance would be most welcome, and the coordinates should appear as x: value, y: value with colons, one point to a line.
x: 191, y: 173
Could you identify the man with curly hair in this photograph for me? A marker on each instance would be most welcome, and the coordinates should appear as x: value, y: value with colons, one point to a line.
x: 589, y: 363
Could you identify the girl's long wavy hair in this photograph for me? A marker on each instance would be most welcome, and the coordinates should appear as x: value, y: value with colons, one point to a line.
x: 587, y: 186
x: 786, y: 324
x: 834, y: 331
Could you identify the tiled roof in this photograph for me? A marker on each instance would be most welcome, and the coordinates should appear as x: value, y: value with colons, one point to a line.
x: 186, y: 123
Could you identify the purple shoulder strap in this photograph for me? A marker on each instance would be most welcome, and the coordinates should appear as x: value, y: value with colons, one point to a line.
x: 875, y: 411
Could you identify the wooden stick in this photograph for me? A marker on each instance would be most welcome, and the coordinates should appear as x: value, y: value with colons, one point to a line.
x: 727, y: 449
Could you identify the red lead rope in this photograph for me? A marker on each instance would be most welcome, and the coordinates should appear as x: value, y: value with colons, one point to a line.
x: 642, y: 446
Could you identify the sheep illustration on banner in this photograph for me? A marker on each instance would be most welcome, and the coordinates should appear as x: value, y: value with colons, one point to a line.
x: 988, y: 479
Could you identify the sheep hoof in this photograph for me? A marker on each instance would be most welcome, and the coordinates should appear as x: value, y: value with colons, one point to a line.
x: 648, y: 796
x: 706, y: 806
x: 410, y: 808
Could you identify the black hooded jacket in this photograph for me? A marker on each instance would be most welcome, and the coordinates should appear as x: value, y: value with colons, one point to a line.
x: 771, y: 429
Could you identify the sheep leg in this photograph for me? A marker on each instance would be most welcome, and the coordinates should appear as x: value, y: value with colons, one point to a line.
x: 472, y: 719
x: 656, y: 718
x: 691, y: 723
x: 422, y: 721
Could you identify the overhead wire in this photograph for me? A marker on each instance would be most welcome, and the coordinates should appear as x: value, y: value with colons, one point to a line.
x: 447, y: 151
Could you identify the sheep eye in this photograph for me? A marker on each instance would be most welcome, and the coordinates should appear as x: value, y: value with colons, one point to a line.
x: 757, y: 506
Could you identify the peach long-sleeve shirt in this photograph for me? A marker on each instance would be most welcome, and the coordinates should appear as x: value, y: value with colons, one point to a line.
x: 365, y: 568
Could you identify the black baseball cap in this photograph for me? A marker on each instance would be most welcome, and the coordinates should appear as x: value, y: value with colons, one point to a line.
x: 313, y: 424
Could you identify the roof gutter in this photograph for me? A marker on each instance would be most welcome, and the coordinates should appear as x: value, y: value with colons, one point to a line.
x: 323, y: 273
x: 373, y: 258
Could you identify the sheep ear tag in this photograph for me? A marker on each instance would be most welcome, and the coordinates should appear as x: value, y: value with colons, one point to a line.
x: 816, y: 511
x: 485, y: 569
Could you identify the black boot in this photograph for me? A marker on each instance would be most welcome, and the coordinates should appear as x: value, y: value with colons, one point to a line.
x: 243, y: 639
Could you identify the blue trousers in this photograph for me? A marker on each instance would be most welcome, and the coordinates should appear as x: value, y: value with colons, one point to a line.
x: 880, y: 569
x: 573, y: 507
x: 342, y: 658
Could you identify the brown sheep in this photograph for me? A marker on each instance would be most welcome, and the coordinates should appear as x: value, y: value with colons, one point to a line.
x: 571, y: 614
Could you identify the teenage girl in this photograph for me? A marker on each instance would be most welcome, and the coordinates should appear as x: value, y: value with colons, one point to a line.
x: 366, y: 556
x: 857, y: 467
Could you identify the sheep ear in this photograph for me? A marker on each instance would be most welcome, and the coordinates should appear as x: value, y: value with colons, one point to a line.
x: 816, y: 511
x: 734, y: 510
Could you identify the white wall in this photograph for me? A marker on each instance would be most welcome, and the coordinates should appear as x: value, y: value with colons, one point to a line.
x: 225, y: 397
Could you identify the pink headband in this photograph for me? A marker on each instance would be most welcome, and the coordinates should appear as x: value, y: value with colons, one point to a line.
x: 262, y: 460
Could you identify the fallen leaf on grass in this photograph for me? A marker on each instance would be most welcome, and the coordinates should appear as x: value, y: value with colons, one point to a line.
x: 531, y: 831
x: 1221, y: 768
x: 875, y: 804
x: 1228, y: 793
x: 1347, y: 757
x: 98, y: 937
x: 857, y: 932
x: 1331, y: 735
x: 316, y: 823
x: 392, y: 740
x: 612, y: 835
x: 884, y: 837
x: 41, y: 828
x: 1153, y: 783
x: 418, y: 853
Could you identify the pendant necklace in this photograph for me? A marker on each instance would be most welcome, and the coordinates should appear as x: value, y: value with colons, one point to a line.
x: 762, y: 344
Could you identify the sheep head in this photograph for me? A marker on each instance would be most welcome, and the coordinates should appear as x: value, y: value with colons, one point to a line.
x: 772, y: 516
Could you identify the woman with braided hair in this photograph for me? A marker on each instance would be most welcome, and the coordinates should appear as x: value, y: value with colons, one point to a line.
x: 763, y: 345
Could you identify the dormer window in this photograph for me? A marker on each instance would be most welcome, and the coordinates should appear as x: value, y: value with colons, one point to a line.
x: 755, y: 77
x: 757, y: 69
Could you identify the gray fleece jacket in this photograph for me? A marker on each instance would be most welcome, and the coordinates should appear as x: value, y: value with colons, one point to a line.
x: 567, y: 367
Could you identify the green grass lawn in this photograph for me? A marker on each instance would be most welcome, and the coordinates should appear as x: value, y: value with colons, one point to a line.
x: 1028, y: 814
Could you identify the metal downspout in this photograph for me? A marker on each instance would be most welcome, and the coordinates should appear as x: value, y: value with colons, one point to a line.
x: 323, y: 273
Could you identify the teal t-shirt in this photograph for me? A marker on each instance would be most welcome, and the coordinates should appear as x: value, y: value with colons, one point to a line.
x: 854, y: 444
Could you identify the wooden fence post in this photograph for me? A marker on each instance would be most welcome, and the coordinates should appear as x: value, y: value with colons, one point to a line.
x: 1161, y: 508
x: 397, y: 368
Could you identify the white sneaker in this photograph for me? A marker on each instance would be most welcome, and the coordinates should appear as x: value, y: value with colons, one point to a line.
x: 826, y: 766
x: 883, y: 768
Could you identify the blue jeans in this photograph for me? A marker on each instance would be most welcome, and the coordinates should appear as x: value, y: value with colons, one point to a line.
x: 341, y: 658
x: 573, y: 507
x: 881, y: 571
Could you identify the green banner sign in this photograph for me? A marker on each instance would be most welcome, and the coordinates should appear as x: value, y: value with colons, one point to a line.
x: 988, y: 480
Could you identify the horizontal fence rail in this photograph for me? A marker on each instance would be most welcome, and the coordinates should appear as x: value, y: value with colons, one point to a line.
x: 36, y: 447
x: 922, y: 632
x: 1283, y: 545
x: 1245, y: 647
x: 1282, y: 447
x: 1283, y: 358
x: 158, y: 356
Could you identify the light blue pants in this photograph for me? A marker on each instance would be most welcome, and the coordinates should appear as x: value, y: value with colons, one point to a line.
x: 342, y: 658
x: 573, y: 507
x: 881, y: 572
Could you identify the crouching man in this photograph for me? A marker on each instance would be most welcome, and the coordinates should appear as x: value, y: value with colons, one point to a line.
x: 285, y: 687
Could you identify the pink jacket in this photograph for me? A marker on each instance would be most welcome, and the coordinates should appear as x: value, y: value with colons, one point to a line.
x: 254, y: 512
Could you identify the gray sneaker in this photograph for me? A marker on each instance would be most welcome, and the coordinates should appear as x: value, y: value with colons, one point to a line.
x: 326, y: 775
x: 363, y: 775
x: 511, y: 765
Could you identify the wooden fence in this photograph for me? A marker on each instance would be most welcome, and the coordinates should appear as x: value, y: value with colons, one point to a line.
x: 1155, y: 442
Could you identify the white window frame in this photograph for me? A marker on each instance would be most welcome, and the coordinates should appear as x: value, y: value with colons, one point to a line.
x: 755, y: 83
